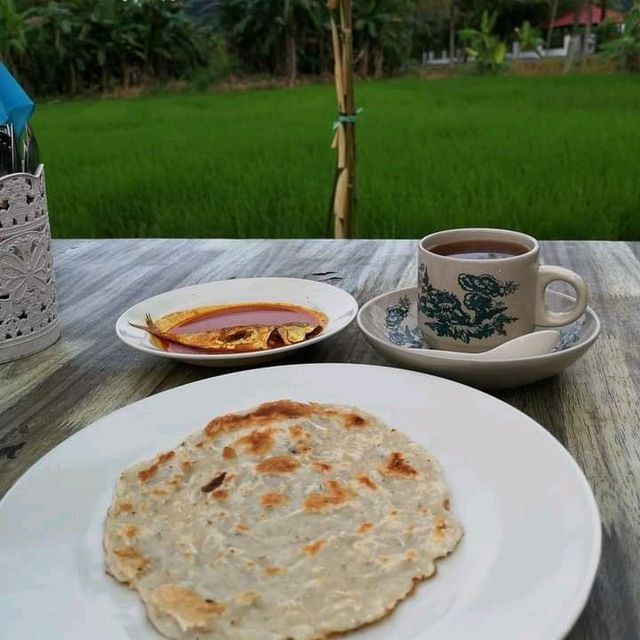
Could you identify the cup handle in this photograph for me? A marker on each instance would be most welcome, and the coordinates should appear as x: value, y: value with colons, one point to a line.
x: 547, y: 275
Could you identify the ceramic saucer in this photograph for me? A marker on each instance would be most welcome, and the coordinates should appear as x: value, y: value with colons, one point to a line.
x: 390, y: 324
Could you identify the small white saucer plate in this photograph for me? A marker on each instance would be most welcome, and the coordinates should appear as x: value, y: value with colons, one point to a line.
x: 390, y: 324
x: 338, y: 305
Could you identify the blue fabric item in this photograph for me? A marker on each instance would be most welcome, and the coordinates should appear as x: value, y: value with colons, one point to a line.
x: 16, y: 106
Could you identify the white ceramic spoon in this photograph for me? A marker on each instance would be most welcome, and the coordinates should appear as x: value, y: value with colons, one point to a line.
x: 531, y: 344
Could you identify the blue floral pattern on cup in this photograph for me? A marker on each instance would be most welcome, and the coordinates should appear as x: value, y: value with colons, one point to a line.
x: 399, y: 333
x: 402, y: 330
x: 481, y: 313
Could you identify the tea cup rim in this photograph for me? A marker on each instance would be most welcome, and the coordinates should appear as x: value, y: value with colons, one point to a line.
x: 451, y: 235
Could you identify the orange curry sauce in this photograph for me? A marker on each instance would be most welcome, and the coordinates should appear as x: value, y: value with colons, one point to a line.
x: 238, y: 315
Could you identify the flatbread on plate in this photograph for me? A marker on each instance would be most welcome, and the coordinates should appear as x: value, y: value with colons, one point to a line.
x: 288, y: 522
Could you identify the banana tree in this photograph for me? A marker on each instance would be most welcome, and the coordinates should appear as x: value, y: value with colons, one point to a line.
x: 486, y: 49
x: 528, y: 38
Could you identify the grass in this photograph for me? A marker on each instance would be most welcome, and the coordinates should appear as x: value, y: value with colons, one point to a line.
x: 557, y: 157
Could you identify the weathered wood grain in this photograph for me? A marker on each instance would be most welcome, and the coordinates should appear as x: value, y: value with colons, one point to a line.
x: 593, y: 408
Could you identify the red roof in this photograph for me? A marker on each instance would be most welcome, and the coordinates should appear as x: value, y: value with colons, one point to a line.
x: 596, y: 17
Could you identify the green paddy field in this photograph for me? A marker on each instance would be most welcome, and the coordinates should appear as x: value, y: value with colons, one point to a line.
x: 558, y: 157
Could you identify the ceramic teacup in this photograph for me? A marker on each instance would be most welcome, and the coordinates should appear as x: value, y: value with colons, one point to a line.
x: 478, y: 288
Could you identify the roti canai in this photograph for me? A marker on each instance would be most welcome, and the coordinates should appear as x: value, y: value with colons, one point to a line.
x: 287, y: 522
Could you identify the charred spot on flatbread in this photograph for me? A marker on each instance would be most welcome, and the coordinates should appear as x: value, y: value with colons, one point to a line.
x: 354, y: 421
x: 269, y: 411
x: 214, y: 483
x: 335, y: 496
x: 440, y: 528
x: 366, y: 481
x: 272, y: 499
x: 314, y: 547
x: 186, y: 607
x: 258, y: 442
x: 278, y: 465
x: 130, y: 562
x: 129, y: 531
x: 146, y: 474
x: 397, y: 466
x: 228, y: 453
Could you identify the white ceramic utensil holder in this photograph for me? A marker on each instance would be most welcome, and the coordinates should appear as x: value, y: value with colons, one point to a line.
x: 28, y: 305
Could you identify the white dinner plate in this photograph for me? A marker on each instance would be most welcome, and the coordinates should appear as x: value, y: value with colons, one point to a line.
x: 523, y: 570
x: 339, y: 306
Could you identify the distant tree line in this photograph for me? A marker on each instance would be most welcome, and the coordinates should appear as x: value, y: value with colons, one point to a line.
x: 75, y: 46
x: 70, y: 46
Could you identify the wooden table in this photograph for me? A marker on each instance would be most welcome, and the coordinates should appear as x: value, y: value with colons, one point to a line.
x: 593, y: 408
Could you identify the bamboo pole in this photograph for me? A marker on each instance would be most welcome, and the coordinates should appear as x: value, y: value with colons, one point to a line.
x: 344, y: 184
